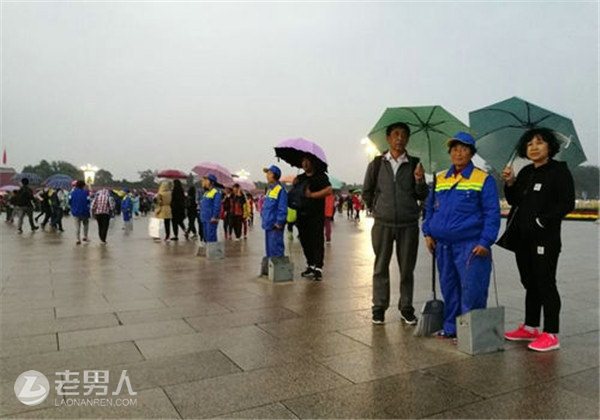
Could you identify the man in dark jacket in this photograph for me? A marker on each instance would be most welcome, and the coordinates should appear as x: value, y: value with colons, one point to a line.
x: 394, y: 183
x: 24, y: 205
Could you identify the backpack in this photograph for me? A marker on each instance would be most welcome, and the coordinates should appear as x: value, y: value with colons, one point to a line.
x: 296, y: 197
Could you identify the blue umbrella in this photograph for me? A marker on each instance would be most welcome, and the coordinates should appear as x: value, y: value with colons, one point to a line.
x: 34, y: 179
x: 62, y: 183
x: 59, y: 181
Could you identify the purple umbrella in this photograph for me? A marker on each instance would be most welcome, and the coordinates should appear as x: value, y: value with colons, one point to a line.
x: 294, y: 150
x: 246, y: 185
x: 9, y: 188
x: 222, y: 173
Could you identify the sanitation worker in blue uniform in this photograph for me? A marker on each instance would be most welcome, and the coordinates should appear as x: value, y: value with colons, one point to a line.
x: 274, y: 213
x: 210, y: 208
x: 462, y: 218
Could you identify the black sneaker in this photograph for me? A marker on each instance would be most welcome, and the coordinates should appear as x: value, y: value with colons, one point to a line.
x: 318, y: 274
x: 409, y: 319
x: 309, y: 272
x: 378, y: 318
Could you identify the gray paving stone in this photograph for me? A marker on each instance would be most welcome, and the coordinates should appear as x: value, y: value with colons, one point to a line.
x: 169, y: 313
x: 541, y: 401
x: 77, y: 323
x: 410, y: 395
x: 72, y: 359
x: 251, y: 389
x: 269, y: 411
x: 191, y: 343
x: 240, y: 318
x: 28, y: 345
x: 68, y: 340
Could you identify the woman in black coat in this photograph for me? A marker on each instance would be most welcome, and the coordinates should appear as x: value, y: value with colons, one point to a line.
x: 178, y: 209
x: 540, y: 197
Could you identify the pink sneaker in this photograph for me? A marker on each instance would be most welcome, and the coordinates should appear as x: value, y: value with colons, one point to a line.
x: 545, y: 342
x: 522, y: 334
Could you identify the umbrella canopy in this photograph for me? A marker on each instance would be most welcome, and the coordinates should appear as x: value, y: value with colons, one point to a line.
x: 430, y: 129
x: 293, y: 151
x: 336, y: 184
x: 9, y: 188
x: 172, y: 174
x: 34, y: 179
x: 499, y: 127
x: 246, y: 184
x: 59, y: 181
x: 222, y: 173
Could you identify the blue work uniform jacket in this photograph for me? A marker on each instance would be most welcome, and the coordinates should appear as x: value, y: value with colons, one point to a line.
x: 274, y: 209
x: 210, y: 205
x: 463, y: 207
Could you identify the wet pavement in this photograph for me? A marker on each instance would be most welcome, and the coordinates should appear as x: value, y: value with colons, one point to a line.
x: 205, y: 338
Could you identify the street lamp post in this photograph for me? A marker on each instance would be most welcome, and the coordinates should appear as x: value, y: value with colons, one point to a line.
x: 89, y: 173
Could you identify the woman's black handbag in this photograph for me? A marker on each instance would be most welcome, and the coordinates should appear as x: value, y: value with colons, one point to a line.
x: 508, y: 240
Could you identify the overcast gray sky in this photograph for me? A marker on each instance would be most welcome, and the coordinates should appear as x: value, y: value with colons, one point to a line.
x: 131, y: 86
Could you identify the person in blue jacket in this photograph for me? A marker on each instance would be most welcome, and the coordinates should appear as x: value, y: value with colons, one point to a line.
x: 462, y: 218
x: 210, y: 208
x: 127, y: 211
x: 80, y: 209
x: 274, y: 213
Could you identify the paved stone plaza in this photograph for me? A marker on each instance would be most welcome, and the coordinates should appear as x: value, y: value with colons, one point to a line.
x: 208, y: 339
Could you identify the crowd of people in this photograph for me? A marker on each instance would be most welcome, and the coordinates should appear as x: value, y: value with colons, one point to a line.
x: 459, y: 210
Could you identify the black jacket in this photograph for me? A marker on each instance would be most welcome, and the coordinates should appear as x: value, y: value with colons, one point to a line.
x: 540, y: 198
x: 24, y: 197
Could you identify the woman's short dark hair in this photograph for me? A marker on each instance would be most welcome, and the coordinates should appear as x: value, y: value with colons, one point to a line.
x: 547, y: 137
x: 80, y: 184
x: 401, y: 125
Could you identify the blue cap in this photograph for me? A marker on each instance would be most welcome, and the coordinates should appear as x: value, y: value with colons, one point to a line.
x: 276, y: 171
x: 212, y: 178
x: 462, y: 137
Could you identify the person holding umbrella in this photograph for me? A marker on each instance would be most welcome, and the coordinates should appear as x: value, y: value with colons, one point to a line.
x: 540, y: 196
x: 163, y: 206
x: 311, y: 216
x: 394, y: 183
x: 462, y: 218
x: 210, y: 208
x: 307, y: 197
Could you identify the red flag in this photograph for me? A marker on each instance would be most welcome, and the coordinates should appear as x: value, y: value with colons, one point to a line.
x: 4, y: 157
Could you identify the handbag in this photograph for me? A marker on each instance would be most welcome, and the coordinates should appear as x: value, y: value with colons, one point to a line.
x: 508, y: 240
x: 154, y: 227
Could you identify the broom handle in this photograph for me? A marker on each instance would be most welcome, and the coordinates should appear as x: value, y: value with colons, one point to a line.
x: 433, y: 253
x: 494, y: 279
x: 433, y: 275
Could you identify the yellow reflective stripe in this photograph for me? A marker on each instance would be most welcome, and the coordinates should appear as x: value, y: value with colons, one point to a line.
x: 474, y: 182
x: 274, y: 193
x: 211, y: 193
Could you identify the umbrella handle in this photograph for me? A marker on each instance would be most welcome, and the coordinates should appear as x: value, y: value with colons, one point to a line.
x: 513, y: 156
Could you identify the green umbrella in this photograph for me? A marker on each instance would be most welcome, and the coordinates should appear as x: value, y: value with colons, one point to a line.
x: 499, y: 127
x: 336, y: 184
x: 430, y: 127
